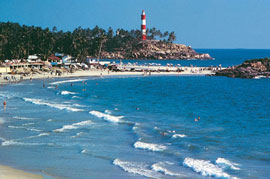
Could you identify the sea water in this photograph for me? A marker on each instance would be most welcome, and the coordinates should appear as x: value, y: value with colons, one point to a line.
x: 136, y: 127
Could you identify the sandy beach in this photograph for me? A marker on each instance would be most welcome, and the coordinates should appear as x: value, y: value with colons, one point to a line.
x: 91, y: 73
x: 11, y: 173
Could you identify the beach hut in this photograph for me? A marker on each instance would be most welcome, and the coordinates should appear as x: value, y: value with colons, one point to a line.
x: 54, y: 60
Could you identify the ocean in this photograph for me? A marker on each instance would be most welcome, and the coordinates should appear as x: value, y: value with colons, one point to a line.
x: 137, y: 126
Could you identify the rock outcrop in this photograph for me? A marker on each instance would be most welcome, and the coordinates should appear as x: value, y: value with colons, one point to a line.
x: 249, y: 69
x: 153, y: 49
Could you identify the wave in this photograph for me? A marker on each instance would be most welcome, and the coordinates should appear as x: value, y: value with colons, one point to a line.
x: 149, y: 146
x: 22, y: 127
x: 160, y: 167
x: 12, y: 142
x: 206, y: 168
x: 76, y: 97
x: 44, y: 134
x: 28, y: 124
x: 107, y: 117
x: 53, y: 105
x: 136, y: 168
x: 50, y: 87
x: 135, y: 127
x: 67, y: 93
x: 22, y: 118
x: 178, y: 135
x: 75, y: 126
x: 78, y: 134
x: 224, y: 163
x: 108, y: 111
x: 66, y: 81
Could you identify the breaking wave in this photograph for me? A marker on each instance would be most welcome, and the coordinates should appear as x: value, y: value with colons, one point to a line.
x: 224, y: 163
x: 22, y: 127
x: 22, y: 118
x: 67, y: 93
x: 12, y: 142
x: 53, y: 105
x: 160, y: 167
x: 107, y: 117
x: 178, y: 135
x: 149, y: 146
x: 75, y: 126
x: 136, y: 168
x: 66, y: 81
x: 206, y: 168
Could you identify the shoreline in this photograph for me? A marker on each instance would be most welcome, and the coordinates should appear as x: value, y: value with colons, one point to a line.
x: 189, y: 71
x: 8, y: 172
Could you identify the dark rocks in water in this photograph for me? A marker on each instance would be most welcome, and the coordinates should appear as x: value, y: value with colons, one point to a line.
x: 248, y: 69
x: 154, y: 49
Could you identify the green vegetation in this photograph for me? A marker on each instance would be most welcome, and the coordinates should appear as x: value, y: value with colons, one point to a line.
x: 17, y: 42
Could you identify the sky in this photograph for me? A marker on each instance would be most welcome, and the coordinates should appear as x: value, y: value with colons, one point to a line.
x: 198, y: 23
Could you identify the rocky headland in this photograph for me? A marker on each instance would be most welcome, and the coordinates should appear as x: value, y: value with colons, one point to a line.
x: 256, y: 68
x: 154, y: 49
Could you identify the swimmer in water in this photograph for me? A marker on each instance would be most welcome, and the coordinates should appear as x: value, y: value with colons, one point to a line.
x: 197, y: 119
x: 56, y: 87
x: 71, y: 84
x: 43, y: 85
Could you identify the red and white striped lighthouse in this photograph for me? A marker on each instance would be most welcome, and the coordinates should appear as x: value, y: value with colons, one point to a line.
x: 143, y: 27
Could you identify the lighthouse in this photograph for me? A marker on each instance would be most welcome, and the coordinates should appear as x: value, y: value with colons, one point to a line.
x: 143, y: 27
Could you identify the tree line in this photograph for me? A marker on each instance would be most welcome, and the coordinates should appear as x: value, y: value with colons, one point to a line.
x: 17, y: 42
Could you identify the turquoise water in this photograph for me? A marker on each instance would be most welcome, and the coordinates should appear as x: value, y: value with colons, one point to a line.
x: 136, y: 127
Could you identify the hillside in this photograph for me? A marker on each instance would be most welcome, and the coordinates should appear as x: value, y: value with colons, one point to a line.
x: 153, y: 49
x: 249, y: 69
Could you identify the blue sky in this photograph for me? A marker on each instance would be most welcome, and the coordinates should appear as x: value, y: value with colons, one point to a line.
x: 199, y: 23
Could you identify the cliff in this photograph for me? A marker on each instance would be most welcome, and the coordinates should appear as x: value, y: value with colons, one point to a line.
x: 153, y: 49
x: 249, y: 69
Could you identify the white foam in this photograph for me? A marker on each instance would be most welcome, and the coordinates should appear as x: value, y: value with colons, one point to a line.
x: 44, y: 134
x: 75, y: 126
x: 28, y: 124
x: 135, y: 127
x: 67, y: 93
x: 149, y: 146
x: 49, y: 120
x: 12, y: 142
x: 108, y: 111
x: 53, y: 105
x: 160, y: 167
x: 178, y: 135
x: 107, y: 117
x: 84, y: 151
x: 75, y: 97
x: 66, y: 81
x: 22, y: 118
x: 22, y: 127
x: 206, y: 168
x: 78, y: 134
x: 50, y: 87
x: 224, y: 163
x: 136, y: 168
